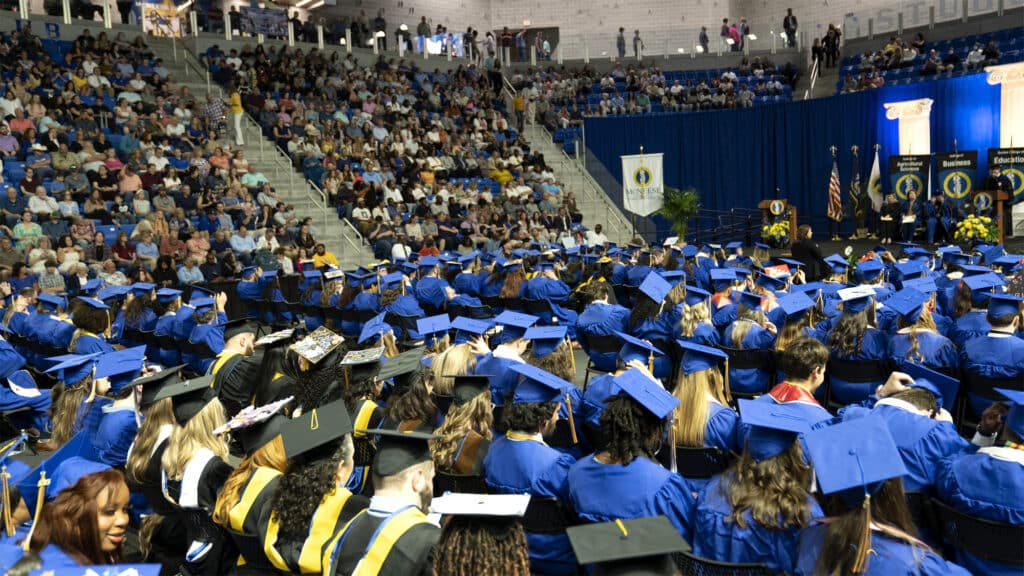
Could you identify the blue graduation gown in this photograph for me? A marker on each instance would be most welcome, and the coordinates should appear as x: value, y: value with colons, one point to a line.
x: 721, y: 539
x: 641, y: 488
x: 749, y: 380
x: 555, y: 292
x: 517, y: 465
x: 115, y: 435
x: 599, y: 388
x: 147, y: 323
x: 89, y: 343
x: 38, y: 402
x: 936, y: 351
x: 212, y: 335
x: 313, y: 321
x: 406, y: 305
x: 722, y: 430
x: 10, y: 360
x: 503, y: 381
x: 892, y: 557
x: 988, y: 484
x: 704, y: 334
x: 467, y: 283
x: 993, y: 355
x: 968, y: 327
x: 165, y: 327
x: 874, y: 346
x: 51, y: 557
x: 657, y: 329
x: 600, y: 319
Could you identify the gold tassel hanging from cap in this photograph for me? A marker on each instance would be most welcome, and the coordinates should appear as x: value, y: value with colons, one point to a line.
x: 672, y: 447
x: 860, y: 562
x: 725, y: 377
x: 5, y: 476
x: 344, y: 371
x: 572, y: 421
x: 650, y: 362
x: 40, y: 500
x: 572, y: 356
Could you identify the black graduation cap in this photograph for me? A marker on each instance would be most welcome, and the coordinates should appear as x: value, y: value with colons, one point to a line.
x: 315, y: 428
x: 402, y: 368
x: 188, y: 396
x: 637, y: 547
x: 256, y: 436
x: 152, y: 384
x: 469, y: 386
x: 233, y: 328
x: 397, y: 451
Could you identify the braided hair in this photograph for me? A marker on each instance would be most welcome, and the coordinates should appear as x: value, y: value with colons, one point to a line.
x: 630, y: 430
x: 471, y: 545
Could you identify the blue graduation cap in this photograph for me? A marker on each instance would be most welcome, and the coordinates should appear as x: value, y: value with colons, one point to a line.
x: 248, y: 271
x: 79, y: 446
x: 698, y: 357
x: 837, y: 264
x: 1015, y: 417
x: 773, y: 426
x: 112, y: 292
x: 856, y: 299
x: 917, y: 253
x: 469, y: 328
x: 983, y: 282
x: 972, y: 270
x: 121, y: 367
x: 854, y: 457
x: 647, y: 393
x: 673, y: 276
x: 515, y: 323
x: 655, y: 287
x: 734, y: 245
x: 201, y: 303
x: 910, y: 268
x: 373, y: 327
x: 52, y: 301
x: 722, y: 278
x: 269, y: 274
x: 750, y: 300
x: 994, y: 253
x: 870, y: 269
x: 393, y: 280
x: 695, y: 295
x: 94, y: 303
x: 636, y: 349
x: 925, y: 285
x: 908, y: 303
x: 791, y: 262
x: 956, y: 258
x: 142, y: 288
x: 943, y: 387
x: 1009, y: 263
x: 510, y: 265
x: 428, y: 263
x: 312, y: 275
x: 537, y: 385
x: 167, y: 295
x: 433, y: 327
x: 71, y: 368
x: 795, y: 304
x: 545, y: 265
x: 545, y: 339
x: 1003, y: 304
x: 770, y: 282
x: 689, y: 251
x: 762, y: 246
x: 68, y: 472
x: 91, y: 286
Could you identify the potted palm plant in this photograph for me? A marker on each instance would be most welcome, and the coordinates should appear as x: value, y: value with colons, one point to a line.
x: 679, y: 207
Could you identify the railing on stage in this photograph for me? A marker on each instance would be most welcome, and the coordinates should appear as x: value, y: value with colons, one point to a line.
x: 723, y: 226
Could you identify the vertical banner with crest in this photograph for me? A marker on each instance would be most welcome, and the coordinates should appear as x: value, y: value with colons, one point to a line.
x: 955, y: 175
x: 1011, y: 160
x: 643, y: 184
x: 909, y: 172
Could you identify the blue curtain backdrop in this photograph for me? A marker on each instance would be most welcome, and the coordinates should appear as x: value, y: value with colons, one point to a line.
x: 738, y: 158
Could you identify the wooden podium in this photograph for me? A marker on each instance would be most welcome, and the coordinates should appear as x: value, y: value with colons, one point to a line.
x: 988, y: 198
x: 773, y: 209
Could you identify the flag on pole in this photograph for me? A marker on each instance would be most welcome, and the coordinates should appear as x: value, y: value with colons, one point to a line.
x: 835, y: 200
x: 875, y: 184
x: 855, y: 190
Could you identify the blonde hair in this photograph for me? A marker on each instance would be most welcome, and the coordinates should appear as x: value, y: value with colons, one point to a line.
x: 458, y: 360
x: 745, y: 319
x: 197, y: 433
x: 68, y: 405
x: 154, y: 417
x: 925, y: 323
x: 474, y: 415
x: 692, y: 316
x: 559, y: 362
x: 270, y: 455
x: 691, y: 415
x: 790, y: 331
x: 435, y: 345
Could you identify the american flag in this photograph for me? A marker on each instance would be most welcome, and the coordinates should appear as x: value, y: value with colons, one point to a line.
x: 835, y: 201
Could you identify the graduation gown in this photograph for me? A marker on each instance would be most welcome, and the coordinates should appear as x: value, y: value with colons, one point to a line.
x: 399, y: 534
x: 874, y: 346
x: 244, y: 521
x: 312, y: 321
x: 368, y: 415
x: 892, y: 557
x: 520, y: 464
x: 235, y: 378
x: 749, y: 380
x: 165, y: 327
x: 88, y: 343
x: 936, y: 351
x: 719, y: 538
x: 169, y: 542
x: 467, y: 283
x: 469, y: 456
x: 704, y: 334
x: 659, y: 330
x: 555, y: 292
x: 405, y: 305
x: 995, y: 355
x: 305, y: 556
x: 968, y: 327
x: 115, y: 434
x: 210, y: 550
x: 723, y: 431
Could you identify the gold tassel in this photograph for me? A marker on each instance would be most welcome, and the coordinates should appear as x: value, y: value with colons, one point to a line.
x: 672, y: 447
x: 5, y: 476
x: 650, y: 363
x: 572, y: 421
x: 860, y: 563
x: 725, y: 376
x: 40, y: 500
x: 572, y: 355
x: 344, y: 371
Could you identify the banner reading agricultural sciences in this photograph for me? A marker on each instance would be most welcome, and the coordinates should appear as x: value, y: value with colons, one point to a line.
x: 955, y: 175
x: 266, y: 21
x: 1011, y: 160
x: 908, y: 173
x: 643, y: 185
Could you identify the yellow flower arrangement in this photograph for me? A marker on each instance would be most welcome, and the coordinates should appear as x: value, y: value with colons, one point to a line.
x: 976, y: 228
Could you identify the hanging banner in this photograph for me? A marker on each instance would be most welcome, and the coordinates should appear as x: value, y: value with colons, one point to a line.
x: 266, y: 21
x: 955, y: 175
x: 643, y: 185
x: 1011, y: 160
x: 908, y: 173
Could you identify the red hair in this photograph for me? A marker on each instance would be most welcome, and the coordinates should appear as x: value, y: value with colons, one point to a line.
x: 71, y: 521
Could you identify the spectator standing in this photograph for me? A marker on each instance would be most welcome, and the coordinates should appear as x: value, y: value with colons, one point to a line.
x: 620, y: 42
x: 703, y: 39
x: 638, y: 44
x: 724, y: 35
x: 235, y: 107
x: 789, y: 24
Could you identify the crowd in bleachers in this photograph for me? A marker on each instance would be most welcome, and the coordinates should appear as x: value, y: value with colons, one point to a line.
x: 903, y: 62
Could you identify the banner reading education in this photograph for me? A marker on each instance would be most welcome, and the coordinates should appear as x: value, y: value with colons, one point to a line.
x: 1011, y: 160
x: 266, y: 21
x: 955, y: 175
x: 908, y: 173
x: 643, y: 185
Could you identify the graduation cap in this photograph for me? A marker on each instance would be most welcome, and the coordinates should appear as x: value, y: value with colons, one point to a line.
x: 72, y: 368
x: 910, y: 269
x: 167, y: 295
x: 256, y: 435
x: 837, y: 264
x: 79, y: 446
x: 311, y: 277
x: 545, y: 265
x: 770, y: 282
x: 393, y: 280
x: 773, y: 426
x: 750, y: 300
x: 105, y: 570
x: 982, y: 284
x: 545, y: 339
x: 1003, y: 304
x: 202, y: 303
x: 795, y: 304
x: 142, y: 288
x: 972, y: 270
x: 908, y: 303
x: 491, y: 506
x: 856, y: 298
x: 994, y: 253
x: 673, y: 276
x: 427, y: 263
x: 943, y: 387
x: 400, y: 368
x: 648, y: 393
x: 120, y: 367
x: 515, y: 323
x: 362, y: 364
x: 469, y: 328
x: 70, y: 471
x: 52, y: 301
x: 870, y: 269
x: 925, y: 285
x: 655, y: 287
x: 636, y: 349
x: 695, y: 295
x: 956, y: 258
x: 734, y: 245
x: 537, y: 385
x: 239, y: 326
x: 1015, y: 417
x: 397, y: 451
x: 698, y: 357
x: 433, y: 327
x: 94, y: 303
x: 112, y: 292
x: 91, y: 286
x: 689, y: 251
x: 315, y: 428
x: 188, y: 397
x: 334, y: 273
x: 374, y: 327
x: 466, y: 387
x: 152, y: 384
x: 248, y: 271
x: 642, y: 546
x: 722, y: 278
x: 762, y: 246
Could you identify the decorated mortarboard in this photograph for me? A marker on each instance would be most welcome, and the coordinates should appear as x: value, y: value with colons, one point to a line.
x: 870, y: 269
x: 94, y: 303
x: 188, y: 397
x: 397, y: 451
x: 333, y: 274
x: 795, y: 304
x: 750, y: 300
x: 315, y: 428
x: 71, y: 368
x: 374, y: 327
x: 275, y: 338
x: 91, y: 286
x: 515, y: 323
x: 1003, y: 305
x: 646, y: 392
x: 856, y: 298
x: 317, y: 344
x: 695, y: 295
x: 639, y: 547
x: 142, y: 288
x: 104, y: 570
x: 926, y: 285
x: 908, y: 303
x: 466, y: 387
x: 121, y: 367
x: 255, y: 426
x: 362, y: 364
x: 52, y: 301
x: 634, y: 348
x: 239, y: 326
x: 773, y: 427
x: 770, y: 282
x: 655, y: 287
x: 854, y: 457
x: 80, y: 446
x: 167, y: 295
x: 537, y: 385
x: 1015, y: 417
x: 943, y: 387
x: 433, y: 327
x: 510, y: 506
x: 545, y: 339
x: 152, y: 384
x: 698, y: 357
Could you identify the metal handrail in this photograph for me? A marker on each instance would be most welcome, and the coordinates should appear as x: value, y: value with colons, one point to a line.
x: 814, y: 78
x: 192, y: 62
